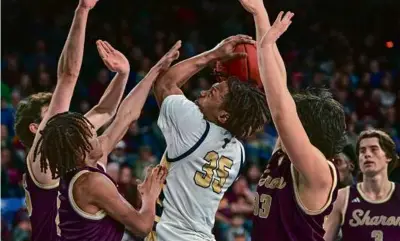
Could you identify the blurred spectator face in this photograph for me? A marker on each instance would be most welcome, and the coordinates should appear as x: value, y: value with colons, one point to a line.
x: 5, y: 156
x: 349, y: 68
x: 15, y: 98
x: 12, y: 62
x: 345, y: 168
x: 204, y: 84
x: 237, y: 221
x: 134, y: 129
x: 113, y: 171
x: 26, y: 81
x: 125, y: 175
x: 254, y: 173
x: 240, y: 186
x: 40, y: 46
x: 136, y: 53
x: 159, y: 49
x: 387, y: 82
x: 84, y: 106
x: 145, y: 153
x: 44, y: 79
x: 240, y: 238
x: 145, y: 64
x: 102, y: 76
x: 4, y: 132
x: 120, y: 149
x: 374, y: 66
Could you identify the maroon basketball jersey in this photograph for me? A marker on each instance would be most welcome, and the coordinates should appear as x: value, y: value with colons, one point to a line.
x: 278, y: 213
x: 41, y: 202
x: 370, y: 220
x: 75, y: 224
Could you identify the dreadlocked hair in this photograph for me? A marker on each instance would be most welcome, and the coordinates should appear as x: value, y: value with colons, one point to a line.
x: 247, y: 108
x: 64, y: 143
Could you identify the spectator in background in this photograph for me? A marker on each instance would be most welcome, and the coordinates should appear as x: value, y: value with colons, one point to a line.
x: 146, y: 159
x: 346, y: 163
x: 237, y: 232
x: 22, y: 227
x: 113, y: 171
x: 118, y: 155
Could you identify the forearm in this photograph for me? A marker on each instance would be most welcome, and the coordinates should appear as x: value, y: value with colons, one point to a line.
x: 130, y: 109
x: 181, y: 72
x: 147, y: 213
x: 261, y: 20
x: 278, y: 96
x: 108, y: 104
x: 71, y: 57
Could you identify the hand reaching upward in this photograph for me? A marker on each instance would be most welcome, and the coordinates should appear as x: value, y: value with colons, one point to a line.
x: 280, y: 25
x: 87, y: 4
x: 252, y: 6
x: 173, y: 54
x: 112, y: 58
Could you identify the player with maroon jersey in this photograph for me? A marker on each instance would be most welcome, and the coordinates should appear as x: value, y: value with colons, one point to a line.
x: 41, y: 190
x: 91, y: 207
x: 298, y: 187
x: 369, y: 210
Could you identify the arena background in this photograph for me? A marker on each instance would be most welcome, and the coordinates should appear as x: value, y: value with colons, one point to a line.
x: 351, y: 47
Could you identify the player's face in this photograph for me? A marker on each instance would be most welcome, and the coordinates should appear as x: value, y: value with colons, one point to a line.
x: 211, y: 102
x: 344, y: 166
x: 372, y: 158
x: 33, y: 127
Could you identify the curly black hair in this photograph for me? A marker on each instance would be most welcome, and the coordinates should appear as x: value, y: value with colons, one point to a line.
x: 64, y: 143
x: 247, y: 108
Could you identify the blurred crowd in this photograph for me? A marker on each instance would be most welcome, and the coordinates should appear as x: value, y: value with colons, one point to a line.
x: 354, y: 51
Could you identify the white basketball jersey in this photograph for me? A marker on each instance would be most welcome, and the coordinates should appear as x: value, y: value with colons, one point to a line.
x: 203, y: 161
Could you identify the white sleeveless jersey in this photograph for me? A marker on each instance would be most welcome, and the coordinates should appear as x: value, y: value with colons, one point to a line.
x: 203, y: 161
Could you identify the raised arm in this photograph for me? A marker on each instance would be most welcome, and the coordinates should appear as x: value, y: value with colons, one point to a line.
x: 171, y: 82
x: 69, y: 66
x: 309, y: 161
x: 132, y: 105
x: 261, y: 20
x: 108, y: 199
x: 115, y: 61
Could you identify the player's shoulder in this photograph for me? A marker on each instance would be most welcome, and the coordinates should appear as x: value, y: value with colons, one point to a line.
x: 178, y: 102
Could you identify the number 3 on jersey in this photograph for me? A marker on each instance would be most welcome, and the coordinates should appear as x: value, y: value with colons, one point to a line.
x: 221, y: 166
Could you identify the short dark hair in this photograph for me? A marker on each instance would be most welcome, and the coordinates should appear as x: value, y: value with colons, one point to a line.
x: 323, y: 119
x: 247, y: 108
x: 385, y: 142
x: 64, y: 143
x: 28, y: 112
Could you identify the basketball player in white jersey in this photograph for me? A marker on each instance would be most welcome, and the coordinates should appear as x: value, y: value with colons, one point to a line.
x: 370, y: 210
x: 203, y: 152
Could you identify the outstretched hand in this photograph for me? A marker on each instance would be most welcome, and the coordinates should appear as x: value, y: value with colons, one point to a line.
x: 252, y: 6
x: 225, y: 50
x: 280, y: 25
x: 112, y: 58
x: 151, y: 187
x: 87, y: 4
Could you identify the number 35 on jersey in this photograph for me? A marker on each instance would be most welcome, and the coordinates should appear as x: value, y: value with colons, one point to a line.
x: 214, y: 173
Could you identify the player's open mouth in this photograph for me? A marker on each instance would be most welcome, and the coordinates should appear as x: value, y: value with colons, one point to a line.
x: 368, y: 163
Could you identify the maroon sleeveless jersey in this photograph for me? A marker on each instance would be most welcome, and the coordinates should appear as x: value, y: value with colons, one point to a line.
x: 278, y: 214
x: 75, y: 224
x: 370, y: 220
x: 41, y: 202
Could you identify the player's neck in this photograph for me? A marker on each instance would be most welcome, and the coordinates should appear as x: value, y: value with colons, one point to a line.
x: 376, y: 187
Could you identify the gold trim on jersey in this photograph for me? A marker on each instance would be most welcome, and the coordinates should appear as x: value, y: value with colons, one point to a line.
x: 152, y: 236
x: 38, y: 184
x: 297, y: 195
x: 28, y: 201
x: 365, y: 197
x: 58, y: 214
x: 346, y: 191
x: 97, y: 216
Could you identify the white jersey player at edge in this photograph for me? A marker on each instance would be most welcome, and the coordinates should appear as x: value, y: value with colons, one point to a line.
x: 203, y: 153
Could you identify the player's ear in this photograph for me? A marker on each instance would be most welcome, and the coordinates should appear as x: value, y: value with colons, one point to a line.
x: 223, y: 117
x: 33, y: 127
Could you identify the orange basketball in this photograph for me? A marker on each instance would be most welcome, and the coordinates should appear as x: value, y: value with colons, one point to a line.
x: 246, y: 69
